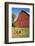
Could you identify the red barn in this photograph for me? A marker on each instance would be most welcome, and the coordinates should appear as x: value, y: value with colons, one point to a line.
x: 22, y: 20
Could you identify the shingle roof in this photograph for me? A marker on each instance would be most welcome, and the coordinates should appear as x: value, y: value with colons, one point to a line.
x: 22, y: 11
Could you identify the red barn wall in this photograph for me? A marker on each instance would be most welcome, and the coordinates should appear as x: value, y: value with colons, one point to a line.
x: 23, y: 20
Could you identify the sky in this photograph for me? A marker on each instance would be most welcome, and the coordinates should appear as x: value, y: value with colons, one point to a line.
x: 17, y: 10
